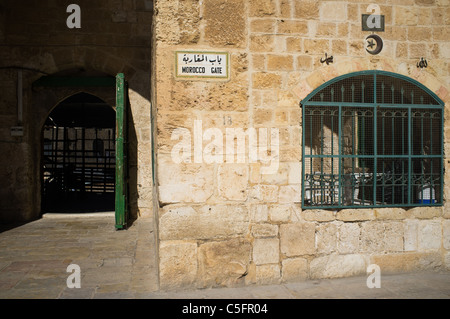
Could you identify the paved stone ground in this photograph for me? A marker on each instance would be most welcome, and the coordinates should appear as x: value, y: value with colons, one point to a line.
x: 121, y: 265
x: 114, y: 264
x: 428, y: 285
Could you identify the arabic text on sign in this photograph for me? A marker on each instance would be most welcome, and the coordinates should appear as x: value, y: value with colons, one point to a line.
x: 198, y: 58
x: 194, y: 64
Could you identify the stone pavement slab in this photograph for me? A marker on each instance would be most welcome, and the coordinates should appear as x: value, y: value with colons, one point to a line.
x: 122, y: 265
x: 420, y: 285
x: 34, y: 257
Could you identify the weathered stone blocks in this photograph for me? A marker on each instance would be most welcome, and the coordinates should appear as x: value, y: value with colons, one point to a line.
x: 280, y: 63
x: 381, y: 237
x: 335, y: 266
x: 351, y: 215
x: 348, y: 241
x: 264, y: 193
x: 225, y: 22
x: 267, y: 274
x: 425, y: 212
x: 326, y: 238
x: 333, y: 10
x: 290, y: 194
x: 429, y: 235
x: 185, y: 183
x: 266, y: 251
x: 224, y: 263
x: 178, y: 264
x: 295, y: 269
x: 186, y: 29
x: 446, y: 234
x: 233, y: 181
x: 203, y: 222
x: 391, y: 213
x: 318, y: 215
x: 280, y: 213
x: 297, y: 239
x: 308, y: 9
x: 411, y: 231
x: 406, y: 16
x: 275, y: 63
x: 266, y: 80
x: 390, y: 263
x: 264, y: 230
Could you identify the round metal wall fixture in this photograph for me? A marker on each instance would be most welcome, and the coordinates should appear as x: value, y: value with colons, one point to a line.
x: 378, y: 44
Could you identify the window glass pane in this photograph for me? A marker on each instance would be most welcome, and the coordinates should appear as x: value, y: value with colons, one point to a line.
x: 382, y: 154
x: 358, y: 89
x: 427, y: 131
x: 357, y: 182
x: 321, y: 130
x: 322, y: 182
x: 392, y: 131
x: 391, y: 90
x: 392, y: 181
x: 357, y: 131
x: 426, y: 180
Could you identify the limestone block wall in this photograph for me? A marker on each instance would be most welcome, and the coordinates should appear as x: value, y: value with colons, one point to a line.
x: 115, y: 36
x: 228, y: 222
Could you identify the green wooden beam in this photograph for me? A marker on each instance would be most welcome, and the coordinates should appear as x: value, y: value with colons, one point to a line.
x: 121, y: 189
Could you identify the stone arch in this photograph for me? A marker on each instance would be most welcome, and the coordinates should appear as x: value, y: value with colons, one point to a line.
x: 79, y: 58
x: 32, y: 53
x: 42, y: 101
x: 70, y: 184
x: 47, y: 100
x: 38, y: 103
x: 313, y: 80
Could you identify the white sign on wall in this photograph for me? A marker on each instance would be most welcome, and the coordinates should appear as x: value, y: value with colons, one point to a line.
x: 189, y: 64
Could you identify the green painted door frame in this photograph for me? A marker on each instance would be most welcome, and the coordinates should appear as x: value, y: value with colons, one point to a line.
x: 121, y: 211
x: 121, y: 191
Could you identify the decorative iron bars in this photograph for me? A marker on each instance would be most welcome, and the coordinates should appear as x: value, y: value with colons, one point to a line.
x: 78, y: 159
x: 372, y: 139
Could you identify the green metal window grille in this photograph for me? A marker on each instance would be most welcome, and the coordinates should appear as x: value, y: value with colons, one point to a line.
x: 372, y: 139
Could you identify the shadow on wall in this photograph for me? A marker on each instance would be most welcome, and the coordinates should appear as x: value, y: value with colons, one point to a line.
x: 54, y: 49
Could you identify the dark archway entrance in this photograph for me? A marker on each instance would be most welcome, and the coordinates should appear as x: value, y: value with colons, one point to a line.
x: 78, y: 156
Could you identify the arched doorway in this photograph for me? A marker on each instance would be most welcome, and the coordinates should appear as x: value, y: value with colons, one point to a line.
x: 78, y: 156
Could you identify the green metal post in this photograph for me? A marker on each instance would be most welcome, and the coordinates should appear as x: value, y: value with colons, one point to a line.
x: 303, y: 154
x: 410, y: 143
x: 120, y: 192
x: 340, y: 201
x: 375, y: 153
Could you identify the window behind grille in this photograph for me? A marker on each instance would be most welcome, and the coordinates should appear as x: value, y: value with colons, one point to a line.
x: 372, y: 139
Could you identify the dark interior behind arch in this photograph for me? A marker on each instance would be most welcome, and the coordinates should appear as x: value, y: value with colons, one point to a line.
x: 79, y: 156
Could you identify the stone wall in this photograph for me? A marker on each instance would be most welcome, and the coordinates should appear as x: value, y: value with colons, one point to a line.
x: 227, y: 221
x: 115, y: 36
x: 228, y: 224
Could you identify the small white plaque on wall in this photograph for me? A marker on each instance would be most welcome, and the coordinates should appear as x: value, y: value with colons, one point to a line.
x: 17, y: 131
x: 202, y: 65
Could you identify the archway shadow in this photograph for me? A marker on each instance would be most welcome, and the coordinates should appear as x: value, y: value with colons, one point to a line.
x: 132, y: 167
x: 9, y: 226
